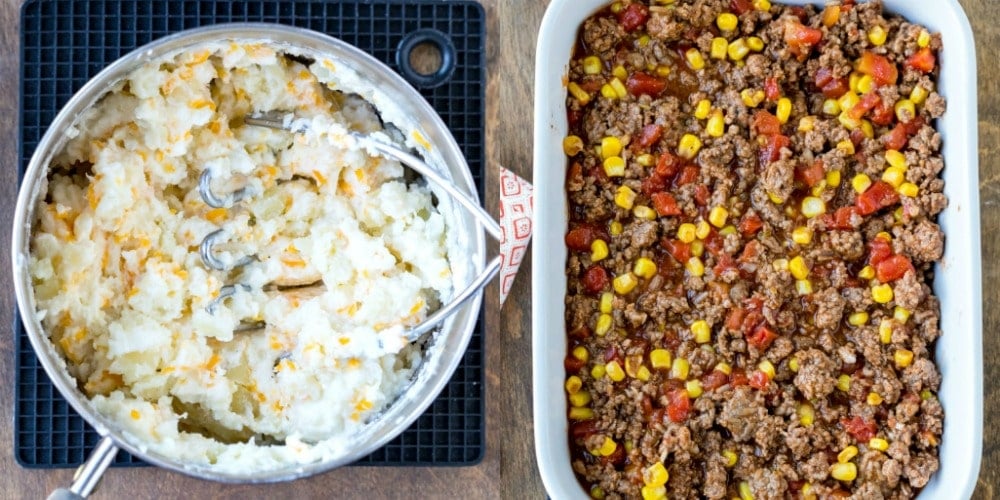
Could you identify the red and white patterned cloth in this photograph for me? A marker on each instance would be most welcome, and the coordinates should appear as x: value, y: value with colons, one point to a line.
x: 516, y: 210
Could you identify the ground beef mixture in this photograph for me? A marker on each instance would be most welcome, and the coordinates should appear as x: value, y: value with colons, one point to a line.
x: 753, y: 191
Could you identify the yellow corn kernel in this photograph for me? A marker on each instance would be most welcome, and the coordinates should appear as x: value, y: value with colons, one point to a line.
x: 807, y: 123
x: 581, y: 353
x: 745, y: 492
x: 923, y: 39
x: 655, y: 475
x: 702, y: 109
x: 901, y: 314
x: 885, y: 331
x: 846, y: 146
x: 625, y: 197
x: 884, y: 236
x: 718, y: 216
x: 730, y: 457
x: 858, y: 318
x: 646, y: 160
x: 865, y: 84
x: 577, y: 413
x: 894, y: 176
x: 866, y: 273
x: 882, y: 293
x: 817, y: 190
x: 702, y: 332
x: 847, y: 121
x: 848, y: 101
x: 867, y: 129
x: 762, y: 5
x: 694, y: 58
x: 615, y: 228
x: 853, y: 80
x: 909, y: 189
x: 716, y: 125
x: 582, y: 96
x: 679, y: 369
x: 616, y: 7
x: 784, y: 109
x: 803, y: 236
x: 608, y: 447
x: 897, y: 216
x: 618, y: 87
x: 572, y: 145
x: 861, y: 183
x: 844, y: 383
x: 686, y: 232
x: 695, y: 266
x: 654, y: 492
x: 878, y: 444
x: 607, y: 302
x: 797, y: 266
x: 767, y: 367
x: 598, y: 372
x: 793, y: 364
x: 847, y: 454
x: 693, y: 388
x: 752, y: 98
x: 644, y: 212
x: 610, y: 146
x: 598, y: 250
x: 719, y: 47
x: 877, y: 35
x: 697, y: 248
x: 608, y: 92
x: 918, y: 95
x: 580, y: 399
x: 660, y: 358
x: 702, y: 230
x: 603, y: 326
x: 755, y: 44
x: 902, y: 358
x: 738, y: 49
x: 642, y: 373
x: 619, y: 72
x: 644, y: 40
x: 727, y: 21
x: 803, y: 287
x: 625, y: 283
x: 592, y: 65
x: 573, y: 384
x: 663, y: 71
x: 896, y: 159
x: 644, y: 267
x: 724, y: 367
x: 831, y: 107
x: 614, y: 166
x: 689, y: 146
x: 614, y: 371
x: 874, y: 399
x: 844, y: 472
x: 780, y: 264
x: 905, y: 110
x: 806, y: 413
x: 813, y: 206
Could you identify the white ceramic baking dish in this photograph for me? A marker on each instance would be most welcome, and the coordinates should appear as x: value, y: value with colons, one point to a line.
x: 957, y: 283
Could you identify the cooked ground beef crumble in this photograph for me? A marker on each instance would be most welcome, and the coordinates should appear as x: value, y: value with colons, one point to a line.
x: 753, y: 192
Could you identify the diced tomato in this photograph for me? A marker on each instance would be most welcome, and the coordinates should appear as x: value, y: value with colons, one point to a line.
x: 923, y: 60
x: 857, y: 136
x: 759, y: 380
x: 583, y: 428
x: 893, y: 268
x: 701, y: 195
x: 653, y: 184
x: 573, y: 365
x: 750, y: 224
x: 862, y: 430
x: 650, y: 135
x: 772, y: 91
x: 667, y: 165
x: 740, y: 7
x: 633, y: 17
x: 678, y: 405
x: 595, y: 279
x: 580, y: 237
x: 765, y: 123
x: 678, y: 249
x: 831, y: 86
x: 617, y: 458
x: 734, y: 320
x: 878, y: 251
x: 640, y: 83
x: 580, y: 332
x: 880, y: 195
x: 882, y: 70
x: 665, y: 204
x: 738, y: 377
x: 883, y: 114
x: 725, y: 262
x: 896, y: 138
x: 799, y: 34
x: 714, y: 242
x: 811, y: 175
x: 750, y: 251
x: 845, y: 218
x: 762, y: 337
x: 864, y: 105
x: 688, y: 175
x: 574, y: 175
x: 913, y: 126
x: 772, y: 149
x: 714, y: 380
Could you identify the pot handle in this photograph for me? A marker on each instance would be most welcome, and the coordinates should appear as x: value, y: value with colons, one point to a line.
x: 89, y: 474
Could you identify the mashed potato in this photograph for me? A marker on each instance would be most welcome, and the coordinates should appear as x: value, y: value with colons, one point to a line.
x: 346, y: 255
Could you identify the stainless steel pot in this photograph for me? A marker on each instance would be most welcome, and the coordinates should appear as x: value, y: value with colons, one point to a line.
x: 444, y: 351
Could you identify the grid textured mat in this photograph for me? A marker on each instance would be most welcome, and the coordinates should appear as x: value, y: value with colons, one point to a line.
x: 64, y: 43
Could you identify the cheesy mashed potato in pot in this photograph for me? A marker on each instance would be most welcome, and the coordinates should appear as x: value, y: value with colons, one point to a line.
x: 346, y: 253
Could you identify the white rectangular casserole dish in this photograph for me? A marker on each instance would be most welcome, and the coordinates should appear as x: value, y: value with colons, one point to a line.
x: 957, y: 280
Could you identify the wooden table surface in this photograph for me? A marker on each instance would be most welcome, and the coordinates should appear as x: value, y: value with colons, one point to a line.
x: 508, y: 470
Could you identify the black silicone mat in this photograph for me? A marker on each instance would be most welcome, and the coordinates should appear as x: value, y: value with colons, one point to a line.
x: 64, y: 43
